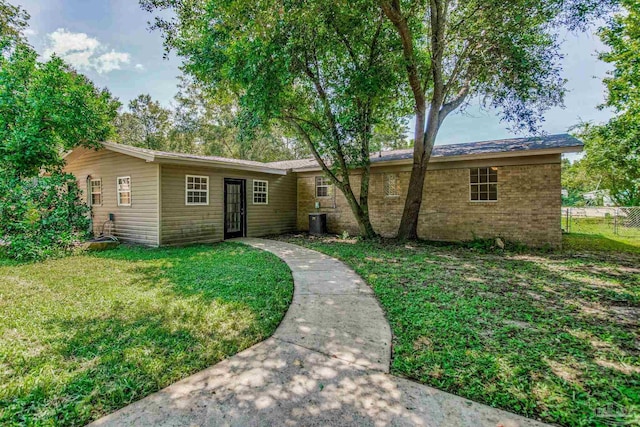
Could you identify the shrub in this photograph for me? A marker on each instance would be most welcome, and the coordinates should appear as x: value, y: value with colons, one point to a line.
x: 41, y: 217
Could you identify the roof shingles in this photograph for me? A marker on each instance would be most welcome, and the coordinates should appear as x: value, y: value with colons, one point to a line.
x: 561, y: 141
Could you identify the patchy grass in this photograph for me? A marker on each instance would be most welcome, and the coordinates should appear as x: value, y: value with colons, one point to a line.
x: 85, y: 335
x: 550, y: 336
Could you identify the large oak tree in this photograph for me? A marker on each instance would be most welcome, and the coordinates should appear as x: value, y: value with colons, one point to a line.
x: 328, y: 70
x: 506, y: 53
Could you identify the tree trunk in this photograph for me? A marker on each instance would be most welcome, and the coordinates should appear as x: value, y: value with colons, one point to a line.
x: 361, y: 214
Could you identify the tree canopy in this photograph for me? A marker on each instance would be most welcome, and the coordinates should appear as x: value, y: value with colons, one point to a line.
x: 613, y: 149
x: 47, y: 108
x: 321, y: 69
x: 507, y: 54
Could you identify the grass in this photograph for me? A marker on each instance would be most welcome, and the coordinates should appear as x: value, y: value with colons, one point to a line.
x: 597, y: 235
x: 552, y: 336
x: 85, y: 335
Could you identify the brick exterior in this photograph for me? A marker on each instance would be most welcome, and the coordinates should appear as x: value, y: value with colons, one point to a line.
x: 527, y: 210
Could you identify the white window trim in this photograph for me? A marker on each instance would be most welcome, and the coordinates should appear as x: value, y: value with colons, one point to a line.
x: 496, y: 183
x: 316, y: 186
x: 384, y: 185
x: 91, y: 192
x: 265, y: 192
x: 122, y: 192
x: 186, y: 191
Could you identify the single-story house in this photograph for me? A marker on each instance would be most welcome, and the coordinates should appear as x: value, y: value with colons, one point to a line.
x: 505, y: 188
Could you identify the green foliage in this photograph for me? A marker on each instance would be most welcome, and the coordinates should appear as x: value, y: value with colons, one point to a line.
x: 577, y: 179
x: 548, y: 336
x: 83, y: 336
x: 613, y: 149
x: 41, y: 217
x: 325, y: 70
x: 211, y: 122
x: 46, y: 109
x: 613, y: 154
x: 146, y: 124
x: 13, y: 21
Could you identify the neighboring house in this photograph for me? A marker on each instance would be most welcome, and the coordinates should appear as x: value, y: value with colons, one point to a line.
x: 508, y: 188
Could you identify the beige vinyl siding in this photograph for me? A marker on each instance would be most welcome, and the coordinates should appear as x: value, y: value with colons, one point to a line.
x: 138, y: 223
x: 182, y: 224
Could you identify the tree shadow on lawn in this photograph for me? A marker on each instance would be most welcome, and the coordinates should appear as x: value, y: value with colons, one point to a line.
x: 542, y: 335
x: 189, y: 313
x: 547, y: 340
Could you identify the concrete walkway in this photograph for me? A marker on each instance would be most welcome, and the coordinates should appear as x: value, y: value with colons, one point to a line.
x: 326, y: 364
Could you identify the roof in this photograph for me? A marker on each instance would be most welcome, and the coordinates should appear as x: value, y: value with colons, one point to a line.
x: 549, y: 144
x: 180, y: 158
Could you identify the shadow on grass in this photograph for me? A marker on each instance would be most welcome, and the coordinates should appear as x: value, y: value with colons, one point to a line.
x: 543, y: 335
x: 174, y: 312
x: 598, y: 243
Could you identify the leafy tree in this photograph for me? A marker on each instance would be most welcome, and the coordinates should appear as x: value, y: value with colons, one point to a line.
x: 46, y: 109
x: 504, y: 52
x: 13, y: 21
x: 577, y: 179
x: 327, y: 71
x: 147, y: 124
x: 209, y: 121
x: 613, y: 149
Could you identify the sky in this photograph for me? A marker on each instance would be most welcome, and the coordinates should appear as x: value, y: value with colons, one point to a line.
x: 109, y: 41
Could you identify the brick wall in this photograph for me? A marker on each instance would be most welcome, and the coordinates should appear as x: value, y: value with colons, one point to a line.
x: 527, y: 210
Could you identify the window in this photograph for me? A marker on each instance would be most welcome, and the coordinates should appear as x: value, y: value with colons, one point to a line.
x: 95, y: 187
x: 124, y: 191
x: 391, y: 185
x: 197, y: 192
x: 484, y: 184
x: 323, y: 186
x: 260, y: 192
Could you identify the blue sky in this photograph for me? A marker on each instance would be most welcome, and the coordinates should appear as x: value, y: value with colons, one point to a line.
x: 109, y: 41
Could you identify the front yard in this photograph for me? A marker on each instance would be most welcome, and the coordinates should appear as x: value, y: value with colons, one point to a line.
x: 550, y: 336
x: 85, y: 335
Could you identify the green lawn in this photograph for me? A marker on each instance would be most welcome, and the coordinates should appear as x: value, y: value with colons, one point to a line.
x: 85, y: 335
x: 597, y: 235
x: 553, y: 336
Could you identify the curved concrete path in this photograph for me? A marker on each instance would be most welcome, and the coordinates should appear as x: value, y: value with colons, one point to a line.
x: 326, y: 364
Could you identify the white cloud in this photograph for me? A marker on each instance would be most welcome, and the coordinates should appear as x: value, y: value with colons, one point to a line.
x: 84, y: 52
x: 111, y: 61
x: 140, y: 67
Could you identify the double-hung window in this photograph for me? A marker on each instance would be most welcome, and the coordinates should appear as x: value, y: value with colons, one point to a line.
x: 197, y: 190
x: 124, y: 190
x: 260, y: 192
x: 484, y: 184
x: 95, y: 191
x: 323, y: 186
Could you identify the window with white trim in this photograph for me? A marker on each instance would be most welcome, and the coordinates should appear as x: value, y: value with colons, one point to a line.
x: 323, y: 187
x: 484, y: 184
x: 391, y: 185
x: 197, y: 190
x: 260, y: 192
x: 95, y: 190
x: 124, y: 190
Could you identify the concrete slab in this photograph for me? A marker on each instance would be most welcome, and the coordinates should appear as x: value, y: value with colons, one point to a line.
x: 281, y: 384
x: 325, y: 365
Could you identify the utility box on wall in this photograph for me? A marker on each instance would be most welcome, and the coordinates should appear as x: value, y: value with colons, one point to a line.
x: 318, y: 224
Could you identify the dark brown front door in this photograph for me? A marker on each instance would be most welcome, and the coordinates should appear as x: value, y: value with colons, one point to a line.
x: 234, y: 208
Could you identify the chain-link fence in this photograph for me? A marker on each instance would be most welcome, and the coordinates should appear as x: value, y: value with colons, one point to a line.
x: 615, y: 221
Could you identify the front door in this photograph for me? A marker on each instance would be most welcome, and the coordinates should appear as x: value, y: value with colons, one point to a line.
x: 234, y: 208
